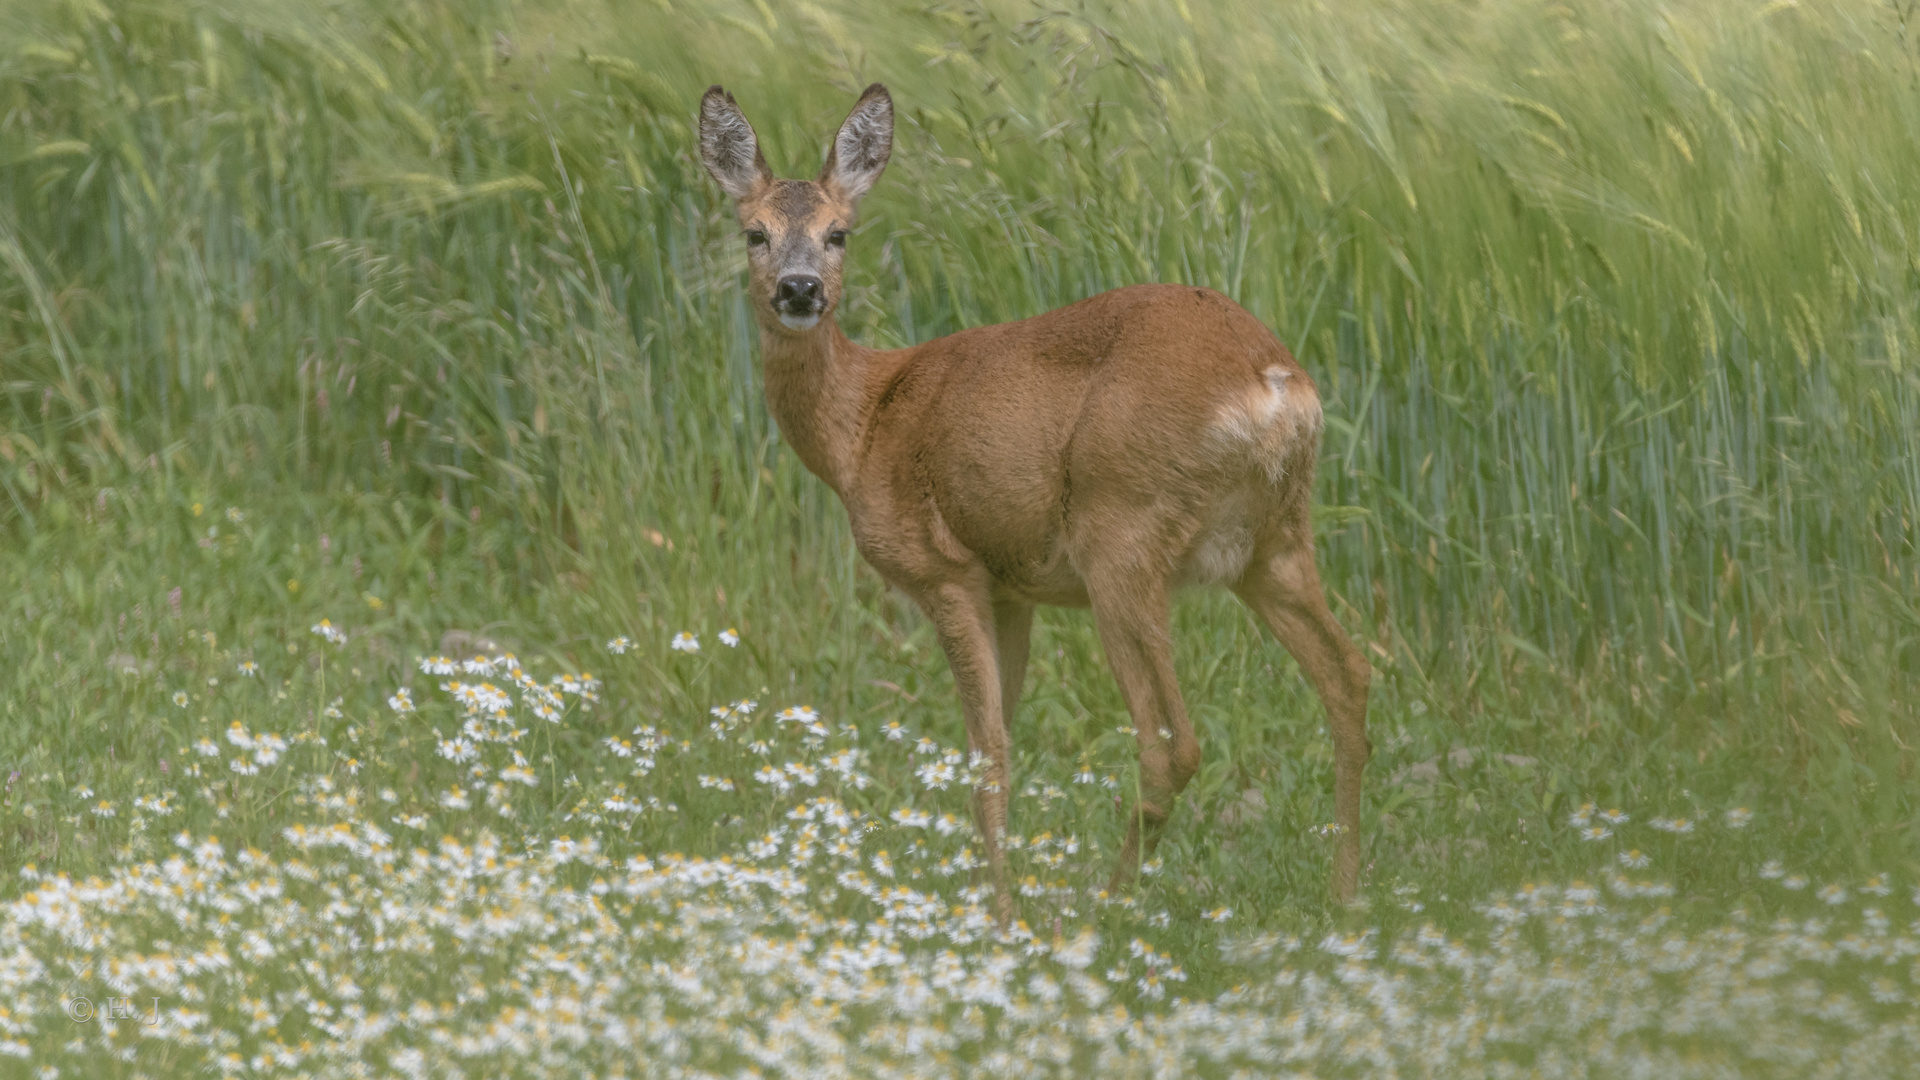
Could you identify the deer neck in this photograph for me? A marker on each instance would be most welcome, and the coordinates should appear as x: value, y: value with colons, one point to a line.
x: 818, y: 390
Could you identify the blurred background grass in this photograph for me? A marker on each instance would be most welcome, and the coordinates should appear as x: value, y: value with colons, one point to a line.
x: 1613, y: 307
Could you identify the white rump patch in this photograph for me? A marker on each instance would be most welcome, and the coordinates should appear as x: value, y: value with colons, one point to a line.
x: 1269, y: 421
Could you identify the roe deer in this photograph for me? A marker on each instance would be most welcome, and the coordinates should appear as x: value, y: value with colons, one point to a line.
x: 1103, y: 454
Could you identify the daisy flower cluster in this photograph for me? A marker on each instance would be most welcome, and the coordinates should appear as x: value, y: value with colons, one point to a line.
x: 832, y: 922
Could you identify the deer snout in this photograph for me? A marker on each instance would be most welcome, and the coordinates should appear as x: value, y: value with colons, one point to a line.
x: 800, y: 295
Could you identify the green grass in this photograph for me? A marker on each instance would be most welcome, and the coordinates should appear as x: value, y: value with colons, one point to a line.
x: 1612, y: 307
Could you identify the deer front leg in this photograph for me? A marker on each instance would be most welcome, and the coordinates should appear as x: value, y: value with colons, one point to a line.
x: 963, y: 618
x: 1013, y: 628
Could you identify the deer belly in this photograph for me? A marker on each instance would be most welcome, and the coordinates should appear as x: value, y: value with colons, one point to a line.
x: 1049, y: 580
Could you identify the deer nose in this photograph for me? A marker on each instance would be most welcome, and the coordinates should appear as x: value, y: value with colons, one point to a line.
x: 798, y: 294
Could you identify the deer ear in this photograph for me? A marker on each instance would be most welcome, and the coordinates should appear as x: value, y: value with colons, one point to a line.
x: 859, y: 152
x: 728, y: 146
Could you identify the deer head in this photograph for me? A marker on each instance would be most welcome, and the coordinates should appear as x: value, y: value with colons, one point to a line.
x: 796, y: 230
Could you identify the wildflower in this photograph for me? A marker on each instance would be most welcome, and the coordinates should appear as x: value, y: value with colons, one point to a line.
x: 180, y: 698
x: 103, y: 809
x: 1582, y: 817
x: 1876, y: 885
x: 455, y: 798
x: 477, y: 665
x: 1615, y: 817
x: 1350, y: 946
x: 924, y: 745
x: 267, y: 749
x: 620, y: 747
x: 719, y: 782
x: 730, y: 637
x: 618, y: 646
x: 895, y: 730
x: 235, y: 515
x: 332, y: 633
x: 1595, y: 832
x: 436, y: 665
x: 1677, y: 826
x: 1795, y: 882
x: 1738, y: 817
x: 401, y: 701
x: 1634, y: 859
x: 1218, y: 915
x: 685, y: 642
x: 843, y: 763
x: 912, y: 819
x: 1833, y: 894
x: 458, y: 750
x: 1772, y: 870
x: 249, y: 668
x: 766, y: 847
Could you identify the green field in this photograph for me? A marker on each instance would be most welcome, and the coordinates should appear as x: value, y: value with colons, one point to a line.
x: 422, y: 318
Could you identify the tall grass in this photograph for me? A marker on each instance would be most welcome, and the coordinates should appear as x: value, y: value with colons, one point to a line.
x: 421, y: 316
x: 1613, y: 305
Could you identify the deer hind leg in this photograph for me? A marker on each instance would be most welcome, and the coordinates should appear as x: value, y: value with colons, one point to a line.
x: 963, y: 616
x: 1283, y: 587
x: 1131, y: 610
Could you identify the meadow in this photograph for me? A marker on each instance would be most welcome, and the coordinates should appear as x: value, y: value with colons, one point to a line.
x: 421, y: 658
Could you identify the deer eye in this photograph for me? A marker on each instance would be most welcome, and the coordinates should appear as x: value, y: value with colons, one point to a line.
x: 756, y: 237
x: 837, y: 238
